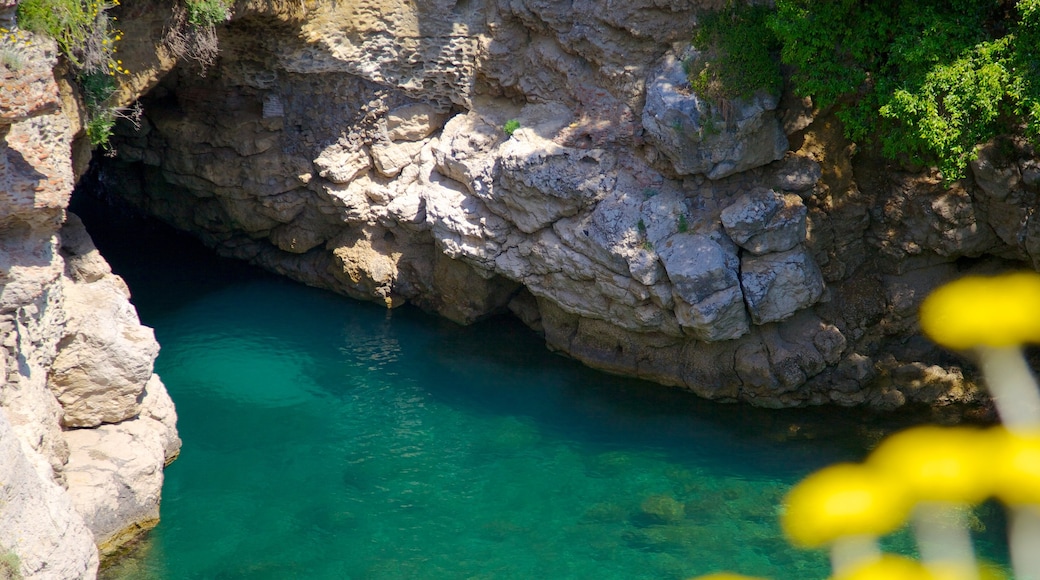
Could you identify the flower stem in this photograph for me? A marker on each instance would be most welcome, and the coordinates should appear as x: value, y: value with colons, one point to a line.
x: 944, y: 541
x: 1011, y: 385
x: 848, y: 552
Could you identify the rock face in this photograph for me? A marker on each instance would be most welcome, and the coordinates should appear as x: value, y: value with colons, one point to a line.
x: 73, y: 354
x: 699, y: 137
x: 734, y: 249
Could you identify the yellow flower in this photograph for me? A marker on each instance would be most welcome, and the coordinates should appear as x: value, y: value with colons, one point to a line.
x: 943, y: 464
x: 992, y: 311
x: 1017, y: 467
x: 843, y: 500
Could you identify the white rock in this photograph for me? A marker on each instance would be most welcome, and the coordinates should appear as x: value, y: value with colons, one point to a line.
x: 413, y: 122
x: 391, y: 158
x: 37, y: 519
x: 114, y: 476
x: 105, y: 358
x: 340, y: 164
x: 156, y: 404
x: 696, y: 138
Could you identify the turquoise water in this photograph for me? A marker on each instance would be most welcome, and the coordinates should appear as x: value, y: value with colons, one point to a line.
x: 326, y: 438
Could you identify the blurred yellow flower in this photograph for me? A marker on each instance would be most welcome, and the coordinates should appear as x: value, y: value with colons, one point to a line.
x: 942, y: 464
x: 843, y: 500
x: 1016, y: 467
x: 992, y: 311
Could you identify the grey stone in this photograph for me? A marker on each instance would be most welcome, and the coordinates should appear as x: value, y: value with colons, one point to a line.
x: 696, y: 137
x: 763, y: 221
x: 705, y: 286
x: 778, y: 285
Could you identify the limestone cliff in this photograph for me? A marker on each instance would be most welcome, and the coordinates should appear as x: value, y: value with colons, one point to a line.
x: 85, y: 426
x: 739, y: 250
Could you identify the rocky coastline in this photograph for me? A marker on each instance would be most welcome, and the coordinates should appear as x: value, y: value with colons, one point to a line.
x: 470, y: 158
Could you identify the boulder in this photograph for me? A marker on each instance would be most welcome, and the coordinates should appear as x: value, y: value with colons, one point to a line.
x: 38, y: 522
x: 105, y: 358
x: 778, y: 285
x: 341, y: 164
x: 763, y: 221
x: 705, y: 286
x: 114, y: 476
x: 413, y: 122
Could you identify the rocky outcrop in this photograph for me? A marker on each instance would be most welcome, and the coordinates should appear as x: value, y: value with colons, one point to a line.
x: 73, y: 354
x: 717, y: 140
x: 733, y: 249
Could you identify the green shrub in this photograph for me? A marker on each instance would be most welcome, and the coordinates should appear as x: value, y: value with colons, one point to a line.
x: 86, y: 36
x: 511, y: 126
x: 740, y: 54
x: 923, y: 80
x: 82, y: 29
x: 205, y: 13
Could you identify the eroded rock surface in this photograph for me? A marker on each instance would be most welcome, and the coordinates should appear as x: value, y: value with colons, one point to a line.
x: 738, y: 249
x: 72, y: 351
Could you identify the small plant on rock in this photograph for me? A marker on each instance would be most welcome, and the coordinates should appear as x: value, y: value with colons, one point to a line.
x: 87, y: 37
x: 681, y: 224
x: 511, y: 126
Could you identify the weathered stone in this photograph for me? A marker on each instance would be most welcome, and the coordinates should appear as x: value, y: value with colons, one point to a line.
x: 83, y: 262
x: 413, y: 122
x: 778, y: 285
x: 694, y: 134
x: 763, y: 221
x: 37, y: 521
x: 391, y: 158
x: 115, y: 478
x: 156, y: 404
x: 798, y: 174
x: 704, y: 277
x: 105, y: 358
x: 339, y: 164
x: 995, y: 178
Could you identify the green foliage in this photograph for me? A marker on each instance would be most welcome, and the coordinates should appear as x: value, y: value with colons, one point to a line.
x: 10, y: 566
x: 682, y: 225
x: 925, y: 80
x: 208, y: 12
x: 99, y: 128
x: 641, y: 227
x: 86, y: 36
x: 511, y: 126
x: 740, y: 54
x: 82, y: 29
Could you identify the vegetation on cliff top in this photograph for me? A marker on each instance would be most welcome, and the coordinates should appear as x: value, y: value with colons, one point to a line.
x: 925, y: 81
x: 928, y: 80
x: 87, y: 36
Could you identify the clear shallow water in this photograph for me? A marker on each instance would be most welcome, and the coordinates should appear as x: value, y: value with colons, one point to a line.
x: 326, y: 438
